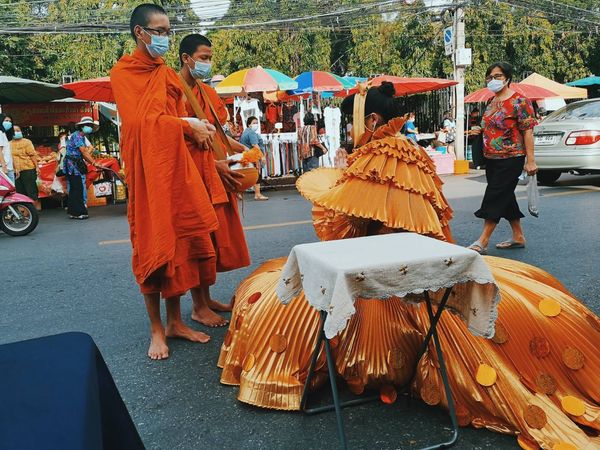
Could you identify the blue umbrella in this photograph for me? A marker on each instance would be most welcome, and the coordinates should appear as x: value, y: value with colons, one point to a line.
x: 594, y: 80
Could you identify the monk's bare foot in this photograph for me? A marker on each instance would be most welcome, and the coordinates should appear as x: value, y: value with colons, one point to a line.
x: 182, y: 331
x: 216, y: 305
x: 158, y: 345
x: 208, y: 317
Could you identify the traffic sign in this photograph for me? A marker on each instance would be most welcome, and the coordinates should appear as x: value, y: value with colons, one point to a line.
x: 449, y: 40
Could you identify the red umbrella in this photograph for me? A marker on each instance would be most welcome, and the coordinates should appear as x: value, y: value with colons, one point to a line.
x: 526, y: 90
x: 95, y: 90
x: 408, y: 86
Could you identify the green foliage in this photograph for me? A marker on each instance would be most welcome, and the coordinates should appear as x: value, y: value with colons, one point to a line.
x: 365, y: 42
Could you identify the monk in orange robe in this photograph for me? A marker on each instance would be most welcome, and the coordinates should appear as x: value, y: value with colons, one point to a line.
x: 170, y: 214
x: 195, y: 54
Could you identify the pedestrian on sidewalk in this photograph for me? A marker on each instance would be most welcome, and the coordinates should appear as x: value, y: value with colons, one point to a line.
x: 25, y: 162
x: 251, y: 138
x: 77, y: 153
x: 507, y: 123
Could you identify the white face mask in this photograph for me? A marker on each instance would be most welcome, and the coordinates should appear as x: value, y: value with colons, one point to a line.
x: 254, y: 127
x: 495, y: 85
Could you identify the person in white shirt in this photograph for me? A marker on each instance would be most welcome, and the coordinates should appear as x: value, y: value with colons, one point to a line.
x: 6, y: 160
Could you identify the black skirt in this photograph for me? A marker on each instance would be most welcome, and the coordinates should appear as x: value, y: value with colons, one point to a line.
x: 499, y: 200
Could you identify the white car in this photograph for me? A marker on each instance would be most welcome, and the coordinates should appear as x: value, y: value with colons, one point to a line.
x: 568, y: 140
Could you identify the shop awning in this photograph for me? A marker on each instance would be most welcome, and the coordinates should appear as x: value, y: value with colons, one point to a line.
x: 561, y: 90
x: 526, y: 90
x: 594, y: 80
x: 22, y: 90
x: 95, y: 90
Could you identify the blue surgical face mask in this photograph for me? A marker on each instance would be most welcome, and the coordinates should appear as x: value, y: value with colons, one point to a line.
x: 201, y: 69
x: 18, y: 135
x: 495, y: 86
x: 87, y: 129
x: 158, y: 46
x: 7, y: 125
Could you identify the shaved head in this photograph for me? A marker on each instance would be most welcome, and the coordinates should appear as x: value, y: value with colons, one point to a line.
x: 142, y: 15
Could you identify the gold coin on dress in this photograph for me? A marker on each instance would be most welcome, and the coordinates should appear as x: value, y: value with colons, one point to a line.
x: 535, y: 417
x: 463, y: 416
x: 248, y: 363
x: 430, y: 393
x: 388, y: 394
x: 486, y: 375
x: 238, y: 322
x: 278, y: 343
x: 501, y: 335
x: 549, y: 307
x: 355, y: 385
x: 546, y: 384
x: 573, y: 358
x: 254, y: 298
x: 228, y: 338
x: 564, y: 446
x: 573, y: 406
x: 396, y: 358
x: 539, y: 347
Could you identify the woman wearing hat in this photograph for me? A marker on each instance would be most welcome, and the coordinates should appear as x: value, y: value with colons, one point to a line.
x: 75, y: 168
x: 544, y: 350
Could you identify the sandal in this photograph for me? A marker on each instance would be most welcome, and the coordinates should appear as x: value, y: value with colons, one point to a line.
x: 262, y: 197
x: 478, y: 247
x: 511, y: 243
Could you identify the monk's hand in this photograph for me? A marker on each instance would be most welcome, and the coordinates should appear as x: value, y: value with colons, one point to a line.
x: 203, y: 132
x: 228, y: 176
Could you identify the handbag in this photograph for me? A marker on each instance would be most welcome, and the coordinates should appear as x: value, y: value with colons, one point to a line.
x: 102, y: 187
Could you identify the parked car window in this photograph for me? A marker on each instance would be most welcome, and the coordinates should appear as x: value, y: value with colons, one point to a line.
x: 585, y: 110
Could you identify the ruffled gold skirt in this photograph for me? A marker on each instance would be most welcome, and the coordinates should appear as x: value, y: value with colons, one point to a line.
x: 541, y: 362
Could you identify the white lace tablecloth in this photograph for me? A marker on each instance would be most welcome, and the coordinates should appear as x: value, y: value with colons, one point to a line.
x: 335, y: 273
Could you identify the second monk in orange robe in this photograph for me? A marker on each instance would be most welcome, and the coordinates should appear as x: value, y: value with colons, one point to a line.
x: 195, y: 54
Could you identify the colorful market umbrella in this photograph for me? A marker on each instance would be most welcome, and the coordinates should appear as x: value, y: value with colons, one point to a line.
x: 594, y: 80
x: 320, y: 81
x: 22, y: 90
x: 95, y: 90
x: 526, y: 90
x: 256, y: 79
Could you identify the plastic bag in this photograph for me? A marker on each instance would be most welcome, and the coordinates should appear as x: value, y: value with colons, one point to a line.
x: 533, y: 196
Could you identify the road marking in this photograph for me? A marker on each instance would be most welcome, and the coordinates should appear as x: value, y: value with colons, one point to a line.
x: 304, y: 222
x: 249, y: 228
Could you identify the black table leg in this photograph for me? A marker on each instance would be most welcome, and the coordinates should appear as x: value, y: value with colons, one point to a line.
x: 337, y: 405
x: 433, y: 320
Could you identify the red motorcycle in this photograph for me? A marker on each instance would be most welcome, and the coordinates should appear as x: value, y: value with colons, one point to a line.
x: 18, y: 215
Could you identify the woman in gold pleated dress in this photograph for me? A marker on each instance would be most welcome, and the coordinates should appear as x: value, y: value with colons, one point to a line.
x: 537, y: 378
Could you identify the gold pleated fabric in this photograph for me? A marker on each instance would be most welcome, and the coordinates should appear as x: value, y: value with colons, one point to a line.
x: 268, y: 348
x: 390, y: 180
x: 538, y: 378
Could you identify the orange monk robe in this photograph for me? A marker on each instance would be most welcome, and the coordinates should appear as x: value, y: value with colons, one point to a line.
x: 170, y: 213
x: 228, y: 239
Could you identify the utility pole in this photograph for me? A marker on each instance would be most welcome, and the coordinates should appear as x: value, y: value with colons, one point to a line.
x: 459, y: 75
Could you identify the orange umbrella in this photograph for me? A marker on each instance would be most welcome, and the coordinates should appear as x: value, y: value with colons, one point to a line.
x: 526, y: 90
x: 409, y: 86
x: 95, y: 90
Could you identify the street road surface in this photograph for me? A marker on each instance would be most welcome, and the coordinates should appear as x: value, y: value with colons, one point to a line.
x: 76, y: 276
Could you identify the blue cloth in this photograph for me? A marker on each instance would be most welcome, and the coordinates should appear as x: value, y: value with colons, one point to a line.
x: 57, y: 393
x: 411, y: 131
x: 73, y: 153
x: 250, y: 138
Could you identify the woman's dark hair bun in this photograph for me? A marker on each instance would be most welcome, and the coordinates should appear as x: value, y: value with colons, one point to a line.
x: 387, y: 89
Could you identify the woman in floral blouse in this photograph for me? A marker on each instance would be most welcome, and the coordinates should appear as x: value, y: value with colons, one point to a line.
x: 507, y: 127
